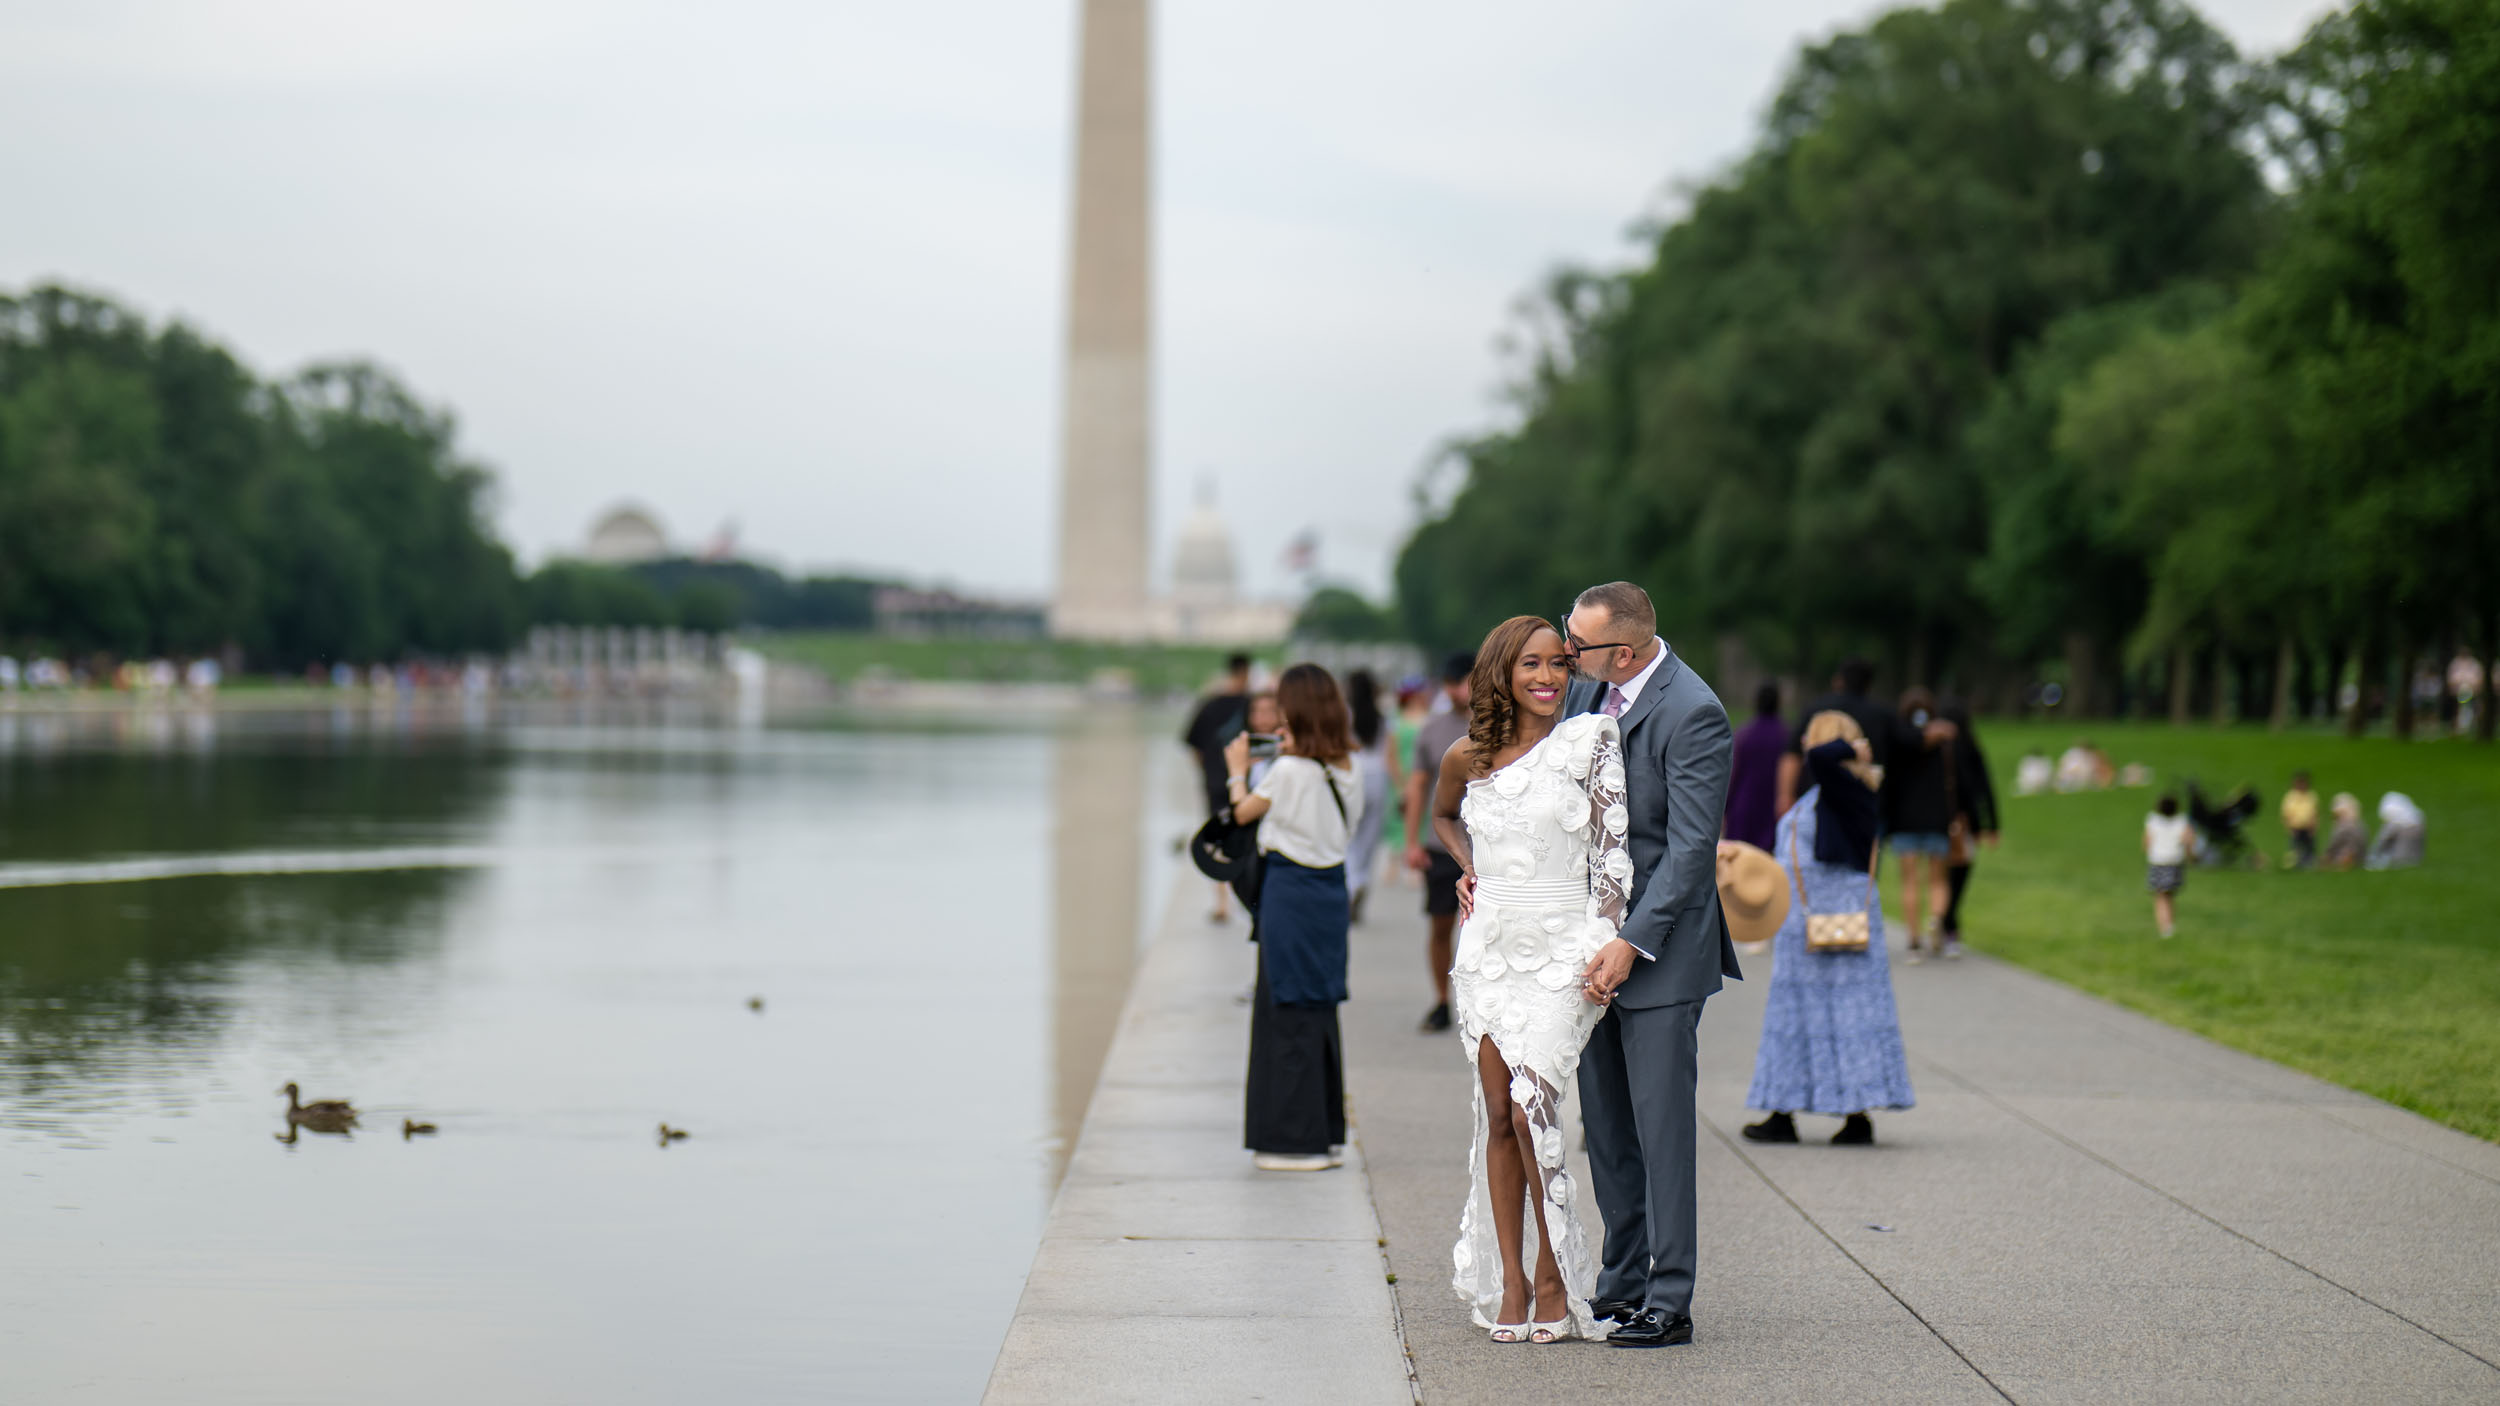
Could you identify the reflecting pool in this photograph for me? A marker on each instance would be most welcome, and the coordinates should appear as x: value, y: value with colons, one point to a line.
x: 546, y: 936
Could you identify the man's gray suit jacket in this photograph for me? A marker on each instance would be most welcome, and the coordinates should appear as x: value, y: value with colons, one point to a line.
x: 1677, y: 748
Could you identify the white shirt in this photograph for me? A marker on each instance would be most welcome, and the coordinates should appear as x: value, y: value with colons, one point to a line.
x: 2165, y: 839
x: 2397, y: 808
x: 1302, y: 822
x: 1632, y: 691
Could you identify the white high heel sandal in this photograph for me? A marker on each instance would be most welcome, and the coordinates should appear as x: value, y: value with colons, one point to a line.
x: 1545, y: 1334
x: 1516, y: 1333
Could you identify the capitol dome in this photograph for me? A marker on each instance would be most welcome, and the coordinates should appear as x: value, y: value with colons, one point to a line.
x: 1202, y: 561
x: 626, y: 534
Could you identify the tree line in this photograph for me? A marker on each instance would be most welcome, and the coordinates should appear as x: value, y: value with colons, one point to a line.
x: 157, y: 498
x: 2039, y: 339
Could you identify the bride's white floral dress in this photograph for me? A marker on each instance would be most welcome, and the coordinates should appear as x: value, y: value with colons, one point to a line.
x: 1552, y: 877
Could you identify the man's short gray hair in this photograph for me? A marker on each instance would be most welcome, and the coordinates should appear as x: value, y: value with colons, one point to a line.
x: 1627, y: 607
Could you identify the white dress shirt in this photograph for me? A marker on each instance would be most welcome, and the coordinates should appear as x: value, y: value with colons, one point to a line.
x: 1632, y: 691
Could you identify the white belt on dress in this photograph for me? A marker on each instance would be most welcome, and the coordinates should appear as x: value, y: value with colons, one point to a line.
x: 1531, y: 893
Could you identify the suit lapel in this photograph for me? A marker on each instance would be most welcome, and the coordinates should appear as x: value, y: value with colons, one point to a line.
x: 1656, y: 689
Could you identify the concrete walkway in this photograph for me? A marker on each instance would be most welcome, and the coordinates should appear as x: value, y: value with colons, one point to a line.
x: 1170, y: 1269
x: 2086, y: 1205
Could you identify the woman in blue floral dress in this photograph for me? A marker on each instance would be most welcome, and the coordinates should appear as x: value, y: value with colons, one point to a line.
x: 1831, y: 1039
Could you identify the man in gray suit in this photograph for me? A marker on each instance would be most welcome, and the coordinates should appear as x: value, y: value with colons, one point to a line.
x: 1638, y: 1072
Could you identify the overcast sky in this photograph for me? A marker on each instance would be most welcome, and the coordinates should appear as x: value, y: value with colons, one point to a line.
x: 800, y: 265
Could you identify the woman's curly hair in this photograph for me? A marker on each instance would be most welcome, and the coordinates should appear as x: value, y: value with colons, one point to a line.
x: 1493, y: 713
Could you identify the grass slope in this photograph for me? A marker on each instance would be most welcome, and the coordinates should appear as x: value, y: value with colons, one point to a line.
x: 2388, y: 983
x: 1157, y: 669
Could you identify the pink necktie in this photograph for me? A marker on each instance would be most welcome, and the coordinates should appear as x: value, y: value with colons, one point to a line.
x: 1614, y: 701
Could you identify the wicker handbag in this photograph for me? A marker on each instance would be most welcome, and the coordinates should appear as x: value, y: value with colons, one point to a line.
x: 1833, y: 932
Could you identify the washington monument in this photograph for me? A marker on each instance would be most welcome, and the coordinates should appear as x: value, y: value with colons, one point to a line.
x: 1105, y: 429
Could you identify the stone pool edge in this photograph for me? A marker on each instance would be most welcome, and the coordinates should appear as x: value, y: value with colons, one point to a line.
x: 1171, y: 1268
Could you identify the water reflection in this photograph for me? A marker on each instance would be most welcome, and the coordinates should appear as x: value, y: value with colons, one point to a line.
x: 1098, y: 787
x: 95, y: 786
x: 940, y: 920
x: 111, y: 994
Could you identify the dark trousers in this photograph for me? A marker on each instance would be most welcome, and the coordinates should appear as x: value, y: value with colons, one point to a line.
x: 1636, y: 1100
x: 1295, y: 1100
x: 2304, y: 849
x: 1956, y: 879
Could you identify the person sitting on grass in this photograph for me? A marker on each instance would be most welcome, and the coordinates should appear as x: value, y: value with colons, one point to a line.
x: 2347, y: 840
x: 2032, y: 773
x: 2300, y: 821
x: 2399, y: 842
x: 2167, y: 841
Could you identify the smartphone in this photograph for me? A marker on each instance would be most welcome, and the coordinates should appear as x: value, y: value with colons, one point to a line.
x: 1265, y: 745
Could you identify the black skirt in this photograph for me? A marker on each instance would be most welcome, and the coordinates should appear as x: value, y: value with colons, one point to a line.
x: 1295, y: 1098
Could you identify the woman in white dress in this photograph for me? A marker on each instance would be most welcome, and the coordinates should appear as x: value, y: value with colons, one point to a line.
x: 1531, y: 806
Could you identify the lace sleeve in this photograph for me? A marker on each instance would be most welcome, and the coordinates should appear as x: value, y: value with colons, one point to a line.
x: 1610, y: 864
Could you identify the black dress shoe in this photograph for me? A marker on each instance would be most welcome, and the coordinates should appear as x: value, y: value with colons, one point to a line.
x: 1437, y: 1019
x: 1858, y: 1131
x: 1779, y: 1127
x: 1620, y: 1310
x: 1653, y: 1327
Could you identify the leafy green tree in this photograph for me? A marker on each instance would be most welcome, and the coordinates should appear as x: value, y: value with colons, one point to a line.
x: 832, y: 603
x: 2382, y: 312
x: 709, y: 606
x: 2065, y: 571
x: 154, y: 497
x: 2194, y: 436
x: 446, y: 585
x: 567, y: 592
x: 1338, y: 614
x: 76, y: 528
x: 1769, y: 423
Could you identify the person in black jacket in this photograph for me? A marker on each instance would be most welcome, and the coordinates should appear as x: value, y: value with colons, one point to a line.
x: 1918, y: 820
x: 1218, y: 718
x: 1974, y: 802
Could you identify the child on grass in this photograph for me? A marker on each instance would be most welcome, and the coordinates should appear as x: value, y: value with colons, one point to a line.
x: 2346, y: 841
x: 2166, y: 844
x: 2300, y: 821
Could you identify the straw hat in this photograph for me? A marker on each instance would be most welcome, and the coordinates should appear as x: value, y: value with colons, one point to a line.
x: 1753, y: 892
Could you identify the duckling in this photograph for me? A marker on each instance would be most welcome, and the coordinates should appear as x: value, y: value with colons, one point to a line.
x: 669, y: 1134
x: 755, y: 1004
x: 410, y: 1127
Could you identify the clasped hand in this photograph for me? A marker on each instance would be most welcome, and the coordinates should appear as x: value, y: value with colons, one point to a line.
x: 1606, y: 971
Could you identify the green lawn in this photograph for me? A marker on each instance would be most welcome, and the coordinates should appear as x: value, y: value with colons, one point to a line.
x: 1157, y: 669
x: 2388, y: 983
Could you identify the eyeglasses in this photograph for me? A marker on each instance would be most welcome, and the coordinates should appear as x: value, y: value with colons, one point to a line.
x: 1574, y: 646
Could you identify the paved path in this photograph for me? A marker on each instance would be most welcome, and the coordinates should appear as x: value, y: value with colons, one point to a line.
x: 2086, y: 1205
x: 1170, y: 1269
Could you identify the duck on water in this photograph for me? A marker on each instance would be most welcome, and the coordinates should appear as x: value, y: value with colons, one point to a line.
x: 326, y: 1115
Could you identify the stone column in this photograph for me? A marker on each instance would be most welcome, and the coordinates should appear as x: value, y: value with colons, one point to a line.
x: 1105, y: 427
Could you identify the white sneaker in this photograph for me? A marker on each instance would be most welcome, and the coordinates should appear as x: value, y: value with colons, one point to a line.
x: 1282, y: 1162
x: 1952, y: 948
